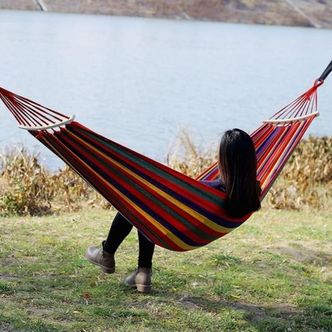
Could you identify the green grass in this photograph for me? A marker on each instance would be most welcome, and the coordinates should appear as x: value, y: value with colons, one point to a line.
x: 272, y: 274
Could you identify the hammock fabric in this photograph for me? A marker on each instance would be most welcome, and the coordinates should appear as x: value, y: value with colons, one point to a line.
x: 172, y: 210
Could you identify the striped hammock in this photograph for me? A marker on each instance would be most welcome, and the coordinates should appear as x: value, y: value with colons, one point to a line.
x: 172, y: 210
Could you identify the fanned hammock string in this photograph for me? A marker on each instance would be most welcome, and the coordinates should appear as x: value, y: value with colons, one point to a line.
x: 277, y: 137
x: 30, y: 114
x: 172, y: 210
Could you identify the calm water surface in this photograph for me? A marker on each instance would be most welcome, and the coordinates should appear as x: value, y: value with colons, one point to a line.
x: 139, y: 81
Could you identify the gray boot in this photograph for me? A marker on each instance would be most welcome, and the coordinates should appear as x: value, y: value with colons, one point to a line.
x: 141, y: 279
x: 101, y: 258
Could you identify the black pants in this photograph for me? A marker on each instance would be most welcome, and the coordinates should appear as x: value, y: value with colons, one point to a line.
x: 120, y: 228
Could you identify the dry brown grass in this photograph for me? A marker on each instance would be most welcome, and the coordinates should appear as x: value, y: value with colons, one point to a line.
x: 26, y: 187
x: 307, y: 177
x: 188, y: 158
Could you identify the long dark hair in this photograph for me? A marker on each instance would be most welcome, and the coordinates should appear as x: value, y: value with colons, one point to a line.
x: 238, y: 167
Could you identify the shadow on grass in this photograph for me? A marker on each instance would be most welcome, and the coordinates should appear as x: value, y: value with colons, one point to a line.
x: 276, y: 317
x: 311, y: 315
x: 300, y: 253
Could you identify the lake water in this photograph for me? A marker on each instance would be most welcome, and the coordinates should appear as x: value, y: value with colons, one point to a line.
x: 140, y: 81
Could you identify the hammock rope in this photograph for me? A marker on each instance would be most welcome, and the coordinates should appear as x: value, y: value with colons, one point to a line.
x: 30, y: 114
x: 172, y: 210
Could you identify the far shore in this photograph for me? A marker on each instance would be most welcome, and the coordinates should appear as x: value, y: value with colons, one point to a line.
x: 317, y: 14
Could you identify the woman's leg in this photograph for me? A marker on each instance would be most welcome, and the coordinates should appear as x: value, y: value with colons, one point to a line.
x: 105, y: 257
x: 141, y: 277
x: 119, y: 230
x: 146, y: 250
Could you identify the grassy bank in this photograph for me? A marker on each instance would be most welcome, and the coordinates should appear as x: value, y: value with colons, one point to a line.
x: 272, y: 274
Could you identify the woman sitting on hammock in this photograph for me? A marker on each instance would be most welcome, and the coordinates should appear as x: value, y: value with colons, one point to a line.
x: 237, y: 165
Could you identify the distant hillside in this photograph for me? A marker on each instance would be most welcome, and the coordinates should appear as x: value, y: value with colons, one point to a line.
x: 313, y: 13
